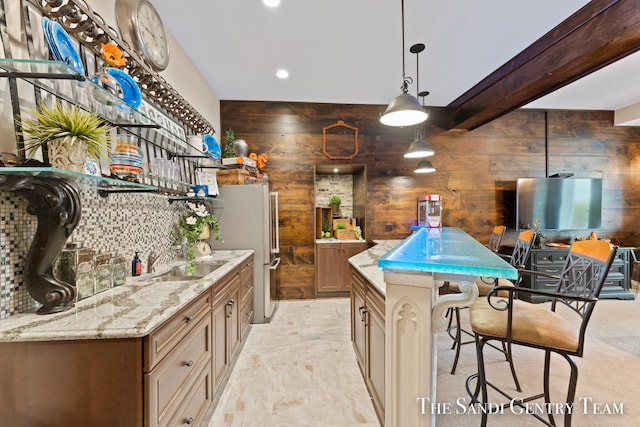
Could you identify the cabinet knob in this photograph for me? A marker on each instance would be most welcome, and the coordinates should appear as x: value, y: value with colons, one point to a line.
x: 188, y: 319
x: 189, y: 363
x: 189, y: 421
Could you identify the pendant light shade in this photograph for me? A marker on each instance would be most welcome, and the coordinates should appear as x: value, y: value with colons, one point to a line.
x: 404, y: 109
x: 424, y: 166
x: 419, y: 148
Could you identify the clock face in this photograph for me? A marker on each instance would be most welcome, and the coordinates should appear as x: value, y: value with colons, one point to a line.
x: 151, y: 36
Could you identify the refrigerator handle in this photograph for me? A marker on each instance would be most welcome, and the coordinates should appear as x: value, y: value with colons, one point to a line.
x: 276, y: 224
x: 275, y: 264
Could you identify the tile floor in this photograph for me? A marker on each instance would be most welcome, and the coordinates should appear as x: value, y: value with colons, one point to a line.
x: 299, y: 370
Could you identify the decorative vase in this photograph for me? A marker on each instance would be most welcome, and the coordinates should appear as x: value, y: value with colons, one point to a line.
x: 69, y: 153
x: 335, y: 211
x: 205, y: 232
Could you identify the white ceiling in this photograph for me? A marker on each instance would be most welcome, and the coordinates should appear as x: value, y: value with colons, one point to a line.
x: 349, y: 51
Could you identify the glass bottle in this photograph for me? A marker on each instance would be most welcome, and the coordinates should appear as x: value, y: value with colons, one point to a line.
x: 119, y: 266
x: 74, y: 266
x: 102, y: 272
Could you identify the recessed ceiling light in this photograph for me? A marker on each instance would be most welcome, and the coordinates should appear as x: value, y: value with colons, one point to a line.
x: 271, y: 3
x: 282, y: 73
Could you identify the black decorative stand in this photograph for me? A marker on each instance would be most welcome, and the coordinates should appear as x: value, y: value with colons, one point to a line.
x: 56, y: 204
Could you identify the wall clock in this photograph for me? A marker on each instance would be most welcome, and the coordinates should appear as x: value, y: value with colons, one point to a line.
x: 140, y: 26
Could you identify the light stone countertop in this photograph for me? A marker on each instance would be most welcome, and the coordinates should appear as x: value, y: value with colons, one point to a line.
x: 366, y: 263
x: 132, y: 310
x: 334, y: 240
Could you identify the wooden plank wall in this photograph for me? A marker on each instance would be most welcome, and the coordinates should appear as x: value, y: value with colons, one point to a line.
x: 476, y: 170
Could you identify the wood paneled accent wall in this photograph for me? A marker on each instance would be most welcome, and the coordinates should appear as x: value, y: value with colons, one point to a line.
x: 476, y: 170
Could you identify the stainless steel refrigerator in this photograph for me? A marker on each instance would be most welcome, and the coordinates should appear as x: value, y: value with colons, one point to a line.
x: 249, y: 220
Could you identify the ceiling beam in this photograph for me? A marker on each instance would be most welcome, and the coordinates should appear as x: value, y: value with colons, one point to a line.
x: 600, y: 33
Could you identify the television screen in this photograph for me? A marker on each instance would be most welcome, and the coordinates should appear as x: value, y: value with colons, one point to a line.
x: 559, y: 203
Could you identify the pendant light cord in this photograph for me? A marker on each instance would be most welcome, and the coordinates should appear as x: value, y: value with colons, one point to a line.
x: 403, y: 70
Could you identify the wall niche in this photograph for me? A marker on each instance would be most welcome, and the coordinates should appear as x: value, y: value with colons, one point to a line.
x: 347, y: 182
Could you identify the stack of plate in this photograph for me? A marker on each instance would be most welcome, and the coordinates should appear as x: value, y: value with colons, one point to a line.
x: 61, y: 46
x: 126, y: 159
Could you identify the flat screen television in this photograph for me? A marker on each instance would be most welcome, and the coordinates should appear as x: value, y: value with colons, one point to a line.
x: 559, y: 203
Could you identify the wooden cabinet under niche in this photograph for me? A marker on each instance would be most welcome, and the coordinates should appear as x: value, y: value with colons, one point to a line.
x: 332, y: 266
x: 172, y: 376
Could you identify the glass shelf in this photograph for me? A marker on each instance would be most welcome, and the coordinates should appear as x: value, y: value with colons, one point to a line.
x: 103, y: 184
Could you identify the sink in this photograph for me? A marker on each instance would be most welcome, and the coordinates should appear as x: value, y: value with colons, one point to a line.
x: 179, y: 272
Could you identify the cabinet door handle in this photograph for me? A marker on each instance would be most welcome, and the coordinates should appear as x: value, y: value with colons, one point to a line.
x: 189, y: 363
x: 365, y: 319
x: 188, y: 319
x: 363, y: 315
x: 189, y: 421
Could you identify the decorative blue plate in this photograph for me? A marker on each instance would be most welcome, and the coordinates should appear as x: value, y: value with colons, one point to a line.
x: 48, y: 35
x: 64, y: 50
x: 212, y: 146
x: 130, y: 90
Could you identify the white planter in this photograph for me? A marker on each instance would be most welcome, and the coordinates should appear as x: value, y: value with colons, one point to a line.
x: 69, y: 153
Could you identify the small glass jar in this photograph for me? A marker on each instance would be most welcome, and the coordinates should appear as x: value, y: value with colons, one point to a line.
x: 74, y: 266
x: 119, y: 267
x: 102, y: 272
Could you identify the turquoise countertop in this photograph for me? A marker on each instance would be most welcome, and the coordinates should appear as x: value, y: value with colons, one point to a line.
x: 446, y: 250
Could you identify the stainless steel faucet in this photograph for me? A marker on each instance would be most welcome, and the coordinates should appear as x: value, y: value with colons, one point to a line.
x: 153, y: 257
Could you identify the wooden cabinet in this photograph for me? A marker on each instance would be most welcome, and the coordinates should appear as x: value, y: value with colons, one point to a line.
x: 368, y: 336
x: 246, y: 296
x: 171, y: 384
x: 226, y: 326
x: 551, y: 261
x: 170, y: 377
x: 332, y: 265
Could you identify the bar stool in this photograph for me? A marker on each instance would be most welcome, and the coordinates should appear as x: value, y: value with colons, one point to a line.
x: 502, y: 317
x: 518, y: 259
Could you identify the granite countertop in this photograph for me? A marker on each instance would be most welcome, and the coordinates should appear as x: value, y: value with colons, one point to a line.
x: 132, y: 310
x: 334, y: 240
x: 366, y: 263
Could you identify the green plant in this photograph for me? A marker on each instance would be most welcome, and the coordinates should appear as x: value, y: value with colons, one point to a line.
x: 335, y: 200
x: 341, y: 226
x: 326, y: 226
x: 62, y: 121
x: 228, y: 148
x: 191, y: 226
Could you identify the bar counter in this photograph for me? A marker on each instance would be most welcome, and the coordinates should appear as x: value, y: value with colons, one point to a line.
x: 412, y: 272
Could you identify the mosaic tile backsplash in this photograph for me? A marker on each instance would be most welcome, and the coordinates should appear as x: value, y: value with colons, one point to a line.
x: 120, y: 224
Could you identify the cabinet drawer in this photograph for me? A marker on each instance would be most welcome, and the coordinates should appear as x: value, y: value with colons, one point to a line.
x: 160, y: 342
x: 246, y: 313
x: 168, y: 384
x: 246, y: 283
x: 195, y: 405
x: 225, y: 285
x: 550, y: 258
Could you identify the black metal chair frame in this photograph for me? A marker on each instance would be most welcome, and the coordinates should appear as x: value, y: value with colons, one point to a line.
x: 518, y: 259
x: 578, y: 288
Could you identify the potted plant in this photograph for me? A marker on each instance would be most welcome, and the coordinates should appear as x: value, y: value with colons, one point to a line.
x: 196, y: 224
x: 335, y: 202
x: 69, y: 133
x: 228, y: 148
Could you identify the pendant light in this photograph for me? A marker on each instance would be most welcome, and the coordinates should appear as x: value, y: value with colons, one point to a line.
x: 419, y: 147
x: 424, y: 166
x: 404, y: 109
